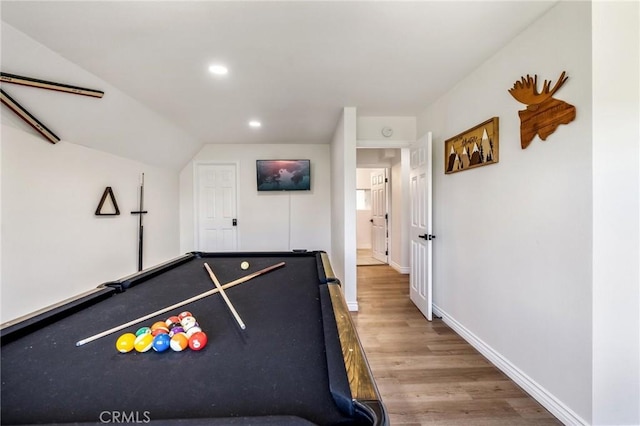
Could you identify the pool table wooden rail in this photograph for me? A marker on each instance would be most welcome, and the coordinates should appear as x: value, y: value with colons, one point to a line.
x: 361, y: 381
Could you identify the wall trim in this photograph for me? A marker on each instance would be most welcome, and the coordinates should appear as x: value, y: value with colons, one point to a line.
x: 539, y: 393
x: 401, y: 269
x: 352, y: 306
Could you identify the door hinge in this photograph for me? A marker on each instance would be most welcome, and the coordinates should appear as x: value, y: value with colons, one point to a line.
x: 386, y: 253
x: 386, y: 180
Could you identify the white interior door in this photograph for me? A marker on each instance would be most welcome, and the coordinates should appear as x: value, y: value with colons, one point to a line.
x: 379, y: 215
x: 420, y: 182
x: 216, y: 225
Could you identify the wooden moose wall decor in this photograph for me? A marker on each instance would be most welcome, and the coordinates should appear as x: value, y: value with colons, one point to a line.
x: 543, y: 114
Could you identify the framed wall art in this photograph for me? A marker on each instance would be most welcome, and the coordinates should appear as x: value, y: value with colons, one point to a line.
x: 472, y: 148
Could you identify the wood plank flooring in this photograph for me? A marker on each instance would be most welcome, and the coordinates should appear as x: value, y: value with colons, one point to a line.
x: 425, y: 372
x: 365, y: 258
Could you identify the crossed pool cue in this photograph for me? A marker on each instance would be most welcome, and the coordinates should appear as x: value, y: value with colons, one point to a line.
x: 219, y: 289
x: 224, y: 296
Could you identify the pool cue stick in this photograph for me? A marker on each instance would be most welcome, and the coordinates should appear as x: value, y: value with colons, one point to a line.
x: 21, y: 112
x: 141, y: 232
x: 179, y: 304
x: 224, y: 296
x: 140, y: 225
x: 5, y: 77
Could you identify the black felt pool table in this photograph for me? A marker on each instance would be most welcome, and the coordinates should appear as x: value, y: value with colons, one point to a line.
x: 298, y: 361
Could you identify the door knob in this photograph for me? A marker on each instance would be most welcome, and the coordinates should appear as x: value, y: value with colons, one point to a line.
x: 428, y: 237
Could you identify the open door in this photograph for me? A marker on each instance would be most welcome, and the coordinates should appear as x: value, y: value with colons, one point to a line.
x: 420, y: 182
x: 379, y: 216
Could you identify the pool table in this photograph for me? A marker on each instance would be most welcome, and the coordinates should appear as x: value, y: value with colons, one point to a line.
x: 298, y: 362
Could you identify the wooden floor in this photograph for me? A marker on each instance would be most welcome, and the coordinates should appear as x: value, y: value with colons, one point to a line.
x: 425, y: 372
x: 365, y: 258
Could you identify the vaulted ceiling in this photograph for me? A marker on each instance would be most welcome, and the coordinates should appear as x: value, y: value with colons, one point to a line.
x: 292, y: 65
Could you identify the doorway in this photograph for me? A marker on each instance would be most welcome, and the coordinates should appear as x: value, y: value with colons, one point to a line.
x: 372, y: 216
x: 395, y: 161
x: 215, y: 207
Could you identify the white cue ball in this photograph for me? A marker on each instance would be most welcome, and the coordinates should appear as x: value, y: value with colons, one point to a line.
x: 244, y: 265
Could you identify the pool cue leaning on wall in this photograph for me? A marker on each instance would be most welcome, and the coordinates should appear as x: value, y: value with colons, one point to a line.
x: 140, y: 212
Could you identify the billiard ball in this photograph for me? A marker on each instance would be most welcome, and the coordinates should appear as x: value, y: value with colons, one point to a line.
x: 157, y: 331
x: 193, y: 330
x: 189, y: 326
x: 244, y: 265
x: 172, y: 320
x: 176, y: 330
x: 179, y: 342
x: 143, y: 342
x: 143, y: 330
x: 184, y: 315
x: 161, y: 342
x: 159, y: 325
x: 198, y: 341
x: 125, y: 342
x: 188, y: 322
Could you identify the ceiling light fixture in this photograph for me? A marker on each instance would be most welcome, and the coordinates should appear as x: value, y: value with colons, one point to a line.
x: 255, y: 124
x: 218, y: 70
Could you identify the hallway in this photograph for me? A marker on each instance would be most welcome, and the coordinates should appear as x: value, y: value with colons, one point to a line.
x: 425, y: 372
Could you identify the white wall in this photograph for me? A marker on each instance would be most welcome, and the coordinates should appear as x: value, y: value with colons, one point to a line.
x: 363, y: 216
x: 616, y: 213
x: 343, y: 204
x: 374, y: 158
x: 267, y: 221
x: 400, y: 213
x: 370, y: 128
x: 55, y: 247
x: 363, y: 177
x: 512, y: 262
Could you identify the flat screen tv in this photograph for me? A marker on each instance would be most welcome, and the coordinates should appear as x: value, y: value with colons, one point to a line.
x: 283, y: 175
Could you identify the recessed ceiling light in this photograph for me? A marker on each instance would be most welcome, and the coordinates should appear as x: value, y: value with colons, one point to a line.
x: 255, y: 124
x: 218, y: 70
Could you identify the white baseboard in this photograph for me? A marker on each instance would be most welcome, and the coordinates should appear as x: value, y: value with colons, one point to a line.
x: 352, y: 306
x: 539, y: 393
x: 401, y: 269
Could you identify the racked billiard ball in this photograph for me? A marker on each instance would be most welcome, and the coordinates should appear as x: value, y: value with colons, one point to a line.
x: 143, y: 330
x: 161, y: 342
x: 172, y: 321
x: 159, y: 325
x: 188, y: 322
x: 160, y: 331
x: 193, y: 330
x: 179, y: 342
x: 143, y: 342
x: 184, y: 315
x: 176, y: 330
x: 125, y: 342
x: 198, y: 341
